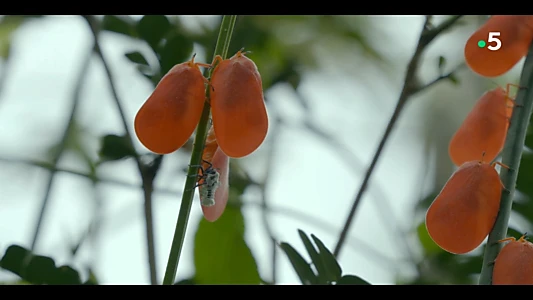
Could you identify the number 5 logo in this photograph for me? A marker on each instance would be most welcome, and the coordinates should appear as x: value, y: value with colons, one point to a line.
x: 493, y: 38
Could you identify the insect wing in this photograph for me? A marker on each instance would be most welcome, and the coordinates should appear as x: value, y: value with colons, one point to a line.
x: 168, y: 118
x: 483, y: 131
x: 239, y: 114
x: 464, y: 212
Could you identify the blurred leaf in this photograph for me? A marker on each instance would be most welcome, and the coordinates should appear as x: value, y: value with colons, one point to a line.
x: 529, y: 136
x: 137, y: 58
x: 221, y: 255
x: 92, y: 280
x: 317, y: 260
x: 511, y: 232
x: 37, y: 269
x: 332, y: 266
x: 188, y: 281
x: 454, y: 79
x: 429, y: 246
x: 301, y: 267
x: 177, y: 49
x: 18, y: 282
x: 115, y: 147
x: 353, y: 280
x: 524, y: 183
x: 426, y: 202
x: 8, y: 25
x: 119, y: 24
x: 152, y: 28
x: 67, y: 275
x: 13, y: 259
x: 442, y: 64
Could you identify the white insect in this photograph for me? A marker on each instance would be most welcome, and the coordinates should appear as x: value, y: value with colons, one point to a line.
x: 209, y: 186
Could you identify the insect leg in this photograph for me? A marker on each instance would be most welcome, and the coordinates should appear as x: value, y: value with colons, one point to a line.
x: 506, y: 240
x: 502, y: 165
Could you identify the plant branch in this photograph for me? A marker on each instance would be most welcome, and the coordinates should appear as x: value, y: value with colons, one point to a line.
x: 60, y: 149
x: 146, y: 177
x: 223, y: 42
x: 409, y: 88
x: 265, y: 203
x: 511, y: 156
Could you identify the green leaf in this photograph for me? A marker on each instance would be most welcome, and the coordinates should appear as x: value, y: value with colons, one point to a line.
x: 40, y: 270
x: 137, y: 58
x: 67, y: 275
x: 152, y: 28
x: 92, y: 280
x: 37, y: 269
x: 454, y: 79
x: 177, y: 49
x: 352, y: 280
x: 523, y: 182
x: 330, y: 262
x: 221, y: 255
x: 442, y: 64
x: 8, y: 26
x: 13, y: 259
x: 301, y: 267
x: 429, y: 246
x: 115, y: 147
x: 318, y: 262
x: 188, y: 281
x: 511, y: 232
x: 119, y: 24
x: 529, y: 136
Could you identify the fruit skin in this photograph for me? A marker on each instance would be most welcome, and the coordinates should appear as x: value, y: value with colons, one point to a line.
x: 169, y: 116
x: 464, y: 212
x: 516, y: 34
x: 238, y: 109
x: 484, y: 129
x: 514, y: 264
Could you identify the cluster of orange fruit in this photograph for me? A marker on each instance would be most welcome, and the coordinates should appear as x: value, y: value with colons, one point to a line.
x: 170, y: 115
x: 464, y: 212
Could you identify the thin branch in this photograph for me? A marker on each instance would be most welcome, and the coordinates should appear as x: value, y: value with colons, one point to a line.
x: 439, y: 79
x: 145, y: 177
x: 264, y: 199
x: 124, y: 217
x: 511, y: 156
x: 60, y: 149
x: 410, y: 86
x: 49, y: 166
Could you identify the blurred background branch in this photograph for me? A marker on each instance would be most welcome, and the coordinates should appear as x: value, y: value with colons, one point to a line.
x: 410, y: 87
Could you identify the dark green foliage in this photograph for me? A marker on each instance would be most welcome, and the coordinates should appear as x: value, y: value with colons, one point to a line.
x: 326, y: 268
x: 37, y: 269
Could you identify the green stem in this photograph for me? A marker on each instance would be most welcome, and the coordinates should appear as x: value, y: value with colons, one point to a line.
x: 222, y: 46
x: 512, y: 154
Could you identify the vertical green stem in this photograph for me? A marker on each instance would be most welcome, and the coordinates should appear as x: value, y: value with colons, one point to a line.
x: 512, y: 154
x: 222, y: 46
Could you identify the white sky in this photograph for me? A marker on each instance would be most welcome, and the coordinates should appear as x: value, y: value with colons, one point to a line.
x: 34, y: 105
